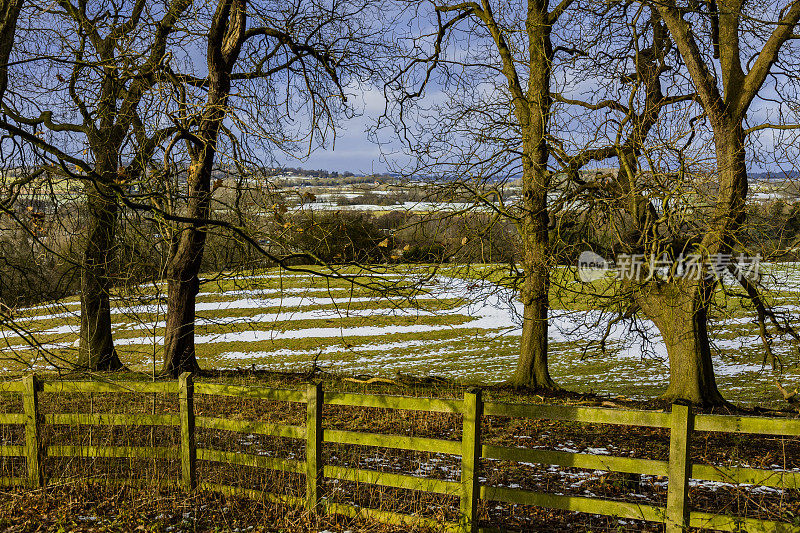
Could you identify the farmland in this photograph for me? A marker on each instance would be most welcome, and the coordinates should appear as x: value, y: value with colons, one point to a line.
x: 453, y: 325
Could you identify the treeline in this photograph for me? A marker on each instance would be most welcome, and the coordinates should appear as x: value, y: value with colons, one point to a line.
x: 299, y: 171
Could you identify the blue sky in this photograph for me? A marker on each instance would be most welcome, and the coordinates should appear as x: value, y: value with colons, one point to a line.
x: 352, y: 150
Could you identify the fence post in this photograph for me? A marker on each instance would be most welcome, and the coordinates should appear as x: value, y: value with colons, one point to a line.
x: 315, y: 400
x: 33, y: 448
x: 680, y: 468
x: 470, y: 460
x: 188, y: 446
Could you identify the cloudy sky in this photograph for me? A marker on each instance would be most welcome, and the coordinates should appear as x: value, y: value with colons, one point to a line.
x: 352, y: 150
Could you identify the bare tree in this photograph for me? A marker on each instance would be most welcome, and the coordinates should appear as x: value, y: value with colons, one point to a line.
x: 494, y: 126
x: 307, y: 51
x: 225, y: 38
x: 665, y: 203
x: 725, y: 89
x: 105, y: 58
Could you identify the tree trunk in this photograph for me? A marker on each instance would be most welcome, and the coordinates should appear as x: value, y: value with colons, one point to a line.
x: 183, y: 278
x: 225, y: 38
x: 9, y: 13
x: 532, y: 367
x: 182, y: 288
x: 533, y: 114
x: 679, y: 310
x: 96, y: 347
x: 729, y: 210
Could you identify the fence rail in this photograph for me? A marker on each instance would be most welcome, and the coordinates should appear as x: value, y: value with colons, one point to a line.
x: 681, y: 422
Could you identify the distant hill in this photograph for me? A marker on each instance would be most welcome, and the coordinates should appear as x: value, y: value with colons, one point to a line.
x: 776, y: 175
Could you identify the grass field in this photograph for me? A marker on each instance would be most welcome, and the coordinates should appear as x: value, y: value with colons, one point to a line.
x: 456, y: 327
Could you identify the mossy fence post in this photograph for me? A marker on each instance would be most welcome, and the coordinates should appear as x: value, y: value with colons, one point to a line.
x: 33, y: 447
x: 679, y: 469
x: 188, y: 444
x: 470, y: 460
x: 315, y: 400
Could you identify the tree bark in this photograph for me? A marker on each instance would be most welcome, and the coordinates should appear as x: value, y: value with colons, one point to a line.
x: 183, y: 278
x: 679, y: 310
x: 533, y: 113
x: 9, y: 13
x: 96, y: 347
x: 532, y: 369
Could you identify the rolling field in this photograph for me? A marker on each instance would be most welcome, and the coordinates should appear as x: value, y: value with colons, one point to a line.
x: 455, y: 327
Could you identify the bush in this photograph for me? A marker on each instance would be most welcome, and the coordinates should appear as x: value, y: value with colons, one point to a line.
x: 339, y: 237
x: 427, y: 253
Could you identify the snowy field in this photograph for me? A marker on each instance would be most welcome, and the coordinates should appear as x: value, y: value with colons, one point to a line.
x: 416, y: 207
x: 457, y: 328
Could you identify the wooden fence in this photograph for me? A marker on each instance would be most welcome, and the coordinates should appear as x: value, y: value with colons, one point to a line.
x: 681, y: 423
